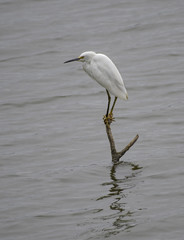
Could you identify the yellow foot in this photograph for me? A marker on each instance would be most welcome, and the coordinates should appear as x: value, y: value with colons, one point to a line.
x: 108, y: 119
x: 111, y: 117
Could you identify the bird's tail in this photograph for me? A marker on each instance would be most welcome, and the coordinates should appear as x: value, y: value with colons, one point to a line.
x: 126, y: 96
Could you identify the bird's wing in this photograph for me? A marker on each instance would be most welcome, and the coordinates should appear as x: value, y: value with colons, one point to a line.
x: 104, y: 71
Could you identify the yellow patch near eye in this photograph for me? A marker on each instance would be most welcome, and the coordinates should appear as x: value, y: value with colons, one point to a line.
x: 81, y: 57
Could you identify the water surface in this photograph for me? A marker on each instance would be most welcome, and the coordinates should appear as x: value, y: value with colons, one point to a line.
x: 57, y: 180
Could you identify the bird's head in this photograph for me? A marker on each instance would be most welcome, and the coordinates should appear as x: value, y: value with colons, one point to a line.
x: 84, y: 57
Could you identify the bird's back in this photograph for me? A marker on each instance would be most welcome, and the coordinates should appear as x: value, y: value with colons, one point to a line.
x: 104, y: 71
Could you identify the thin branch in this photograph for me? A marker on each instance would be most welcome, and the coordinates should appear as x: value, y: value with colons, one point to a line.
x: 129, y: 146
x: 111, y: 139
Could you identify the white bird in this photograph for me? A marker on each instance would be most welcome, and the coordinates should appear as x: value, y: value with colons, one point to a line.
x: 99, y: 67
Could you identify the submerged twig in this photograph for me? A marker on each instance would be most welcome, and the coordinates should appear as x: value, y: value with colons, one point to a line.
x: 117, y: 155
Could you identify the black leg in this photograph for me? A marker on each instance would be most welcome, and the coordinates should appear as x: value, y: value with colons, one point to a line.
x: 109, y: 101
x: 113, y: 105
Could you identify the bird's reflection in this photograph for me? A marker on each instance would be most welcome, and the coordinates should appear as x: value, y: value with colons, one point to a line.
x: 122, y: 217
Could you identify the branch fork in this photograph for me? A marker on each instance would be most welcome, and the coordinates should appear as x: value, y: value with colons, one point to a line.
x: 116, y: 155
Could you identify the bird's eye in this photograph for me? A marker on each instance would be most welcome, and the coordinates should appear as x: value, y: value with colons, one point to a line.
x: 82, y: 57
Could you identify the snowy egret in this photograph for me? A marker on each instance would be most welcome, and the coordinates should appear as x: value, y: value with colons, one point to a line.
x: 99, y: 67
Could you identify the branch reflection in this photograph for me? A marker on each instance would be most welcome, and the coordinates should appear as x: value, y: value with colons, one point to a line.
x: 122, y: 217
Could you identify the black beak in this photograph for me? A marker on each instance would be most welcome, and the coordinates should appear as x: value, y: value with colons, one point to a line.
x: 72, y: 60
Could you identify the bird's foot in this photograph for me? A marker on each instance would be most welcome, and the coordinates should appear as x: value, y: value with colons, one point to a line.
x: 108, y: 119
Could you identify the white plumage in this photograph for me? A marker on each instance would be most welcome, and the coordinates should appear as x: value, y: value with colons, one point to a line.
x: 99, y: 67
x: 103, y: 70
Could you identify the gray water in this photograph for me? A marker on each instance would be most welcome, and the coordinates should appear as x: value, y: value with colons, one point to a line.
x: 56, y: 176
